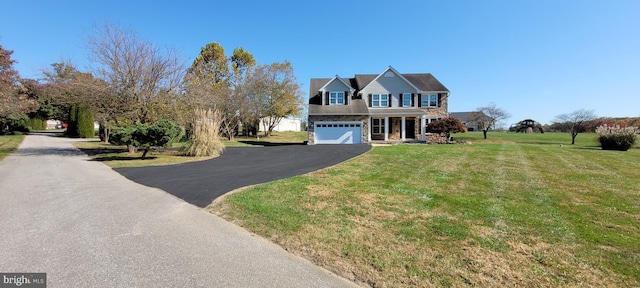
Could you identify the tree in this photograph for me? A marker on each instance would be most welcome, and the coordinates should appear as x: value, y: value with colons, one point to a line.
x: 446, y: 126
x: 275, y: 93
x: 487, y: 117
x: 67, y: 87
x: 144, y: 136
x: 144, y: 79
x: 15, y: 99
x: 576, y: 121
x: 215, y: 81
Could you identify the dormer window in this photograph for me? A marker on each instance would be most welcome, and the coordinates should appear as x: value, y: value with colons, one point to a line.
x: 336, y: 98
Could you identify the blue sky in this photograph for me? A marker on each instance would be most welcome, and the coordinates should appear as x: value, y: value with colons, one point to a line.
x: 534, y: 59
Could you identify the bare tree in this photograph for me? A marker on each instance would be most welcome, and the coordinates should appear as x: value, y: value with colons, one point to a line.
x: 487, y: 117
x: 576, y: 121
x: 146, y: 78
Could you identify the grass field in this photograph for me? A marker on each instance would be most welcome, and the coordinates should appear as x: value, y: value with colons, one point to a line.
x: 8, y: 144
x: 513, y: 210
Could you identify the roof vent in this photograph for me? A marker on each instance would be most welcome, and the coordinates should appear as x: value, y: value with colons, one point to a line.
x: 389, y: 74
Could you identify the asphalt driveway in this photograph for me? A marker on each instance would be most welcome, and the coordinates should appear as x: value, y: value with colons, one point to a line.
x: 199, y: 183
x: 87, y: 226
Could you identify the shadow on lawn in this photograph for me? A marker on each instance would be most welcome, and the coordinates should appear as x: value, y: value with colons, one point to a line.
x: 264, y: 143
x: 100, y: 151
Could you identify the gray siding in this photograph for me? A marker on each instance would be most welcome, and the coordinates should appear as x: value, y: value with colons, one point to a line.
x: 336, y: 85
x: 390, y: 85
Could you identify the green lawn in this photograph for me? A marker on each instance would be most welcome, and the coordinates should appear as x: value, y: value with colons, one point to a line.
x: 8, y: 144
x: 512, y: 210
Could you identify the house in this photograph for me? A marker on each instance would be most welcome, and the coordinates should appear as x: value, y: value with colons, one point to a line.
x: 464, y: 118
x: 467, y: 119
x: 285, y: 125
x: 385, y: 107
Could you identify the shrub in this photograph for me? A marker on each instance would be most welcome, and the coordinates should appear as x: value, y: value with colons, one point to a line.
x: 86, y: 128
x: 616, y: 137
x: 446, y: 126
x: 160, y: 134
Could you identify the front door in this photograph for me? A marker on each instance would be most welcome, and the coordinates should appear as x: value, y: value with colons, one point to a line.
x: 410, y: 128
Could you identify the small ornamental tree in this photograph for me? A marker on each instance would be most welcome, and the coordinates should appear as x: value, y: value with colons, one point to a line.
x: 614, y: 137
x: 160, y: 134
x: 446, y: 126
x: 163, y: 133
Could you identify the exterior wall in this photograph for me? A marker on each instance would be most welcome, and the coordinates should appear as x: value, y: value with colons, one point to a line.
x: 285, y: 124
x: 390, y: 85
x: 318, y: 118
x: 440, y: 112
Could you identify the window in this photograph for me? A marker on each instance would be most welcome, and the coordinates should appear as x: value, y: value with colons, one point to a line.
x: 429, y: 100
x: 336, y: 98
x: 380, y: 100
x: 378, y: 126
x: 406, y: 99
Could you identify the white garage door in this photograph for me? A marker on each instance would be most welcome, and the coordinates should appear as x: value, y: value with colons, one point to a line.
x: 329, y: 132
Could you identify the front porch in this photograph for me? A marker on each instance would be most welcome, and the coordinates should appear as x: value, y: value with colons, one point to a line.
x: 398, y: 129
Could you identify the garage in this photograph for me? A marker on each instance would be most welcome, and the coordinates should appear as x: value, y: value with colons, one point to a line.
x: 330, y: 132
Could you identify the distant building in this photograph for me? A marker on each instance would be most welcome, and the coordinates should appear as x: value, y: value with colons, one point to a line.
x: 285, y: 125
x: 464, y: 117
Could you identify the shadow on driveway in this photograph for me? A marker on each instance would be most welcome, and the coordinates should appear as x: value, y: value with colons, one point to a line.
x: 199, y: 183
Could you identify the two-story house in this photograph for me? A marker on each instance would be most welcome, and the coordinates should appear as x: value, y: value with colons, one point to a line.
x: 386, y: 107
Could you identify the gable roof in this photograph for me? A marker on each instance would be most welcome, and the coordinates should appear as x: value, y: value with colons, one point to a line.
x: 341, y: 81
x: 390, y: 69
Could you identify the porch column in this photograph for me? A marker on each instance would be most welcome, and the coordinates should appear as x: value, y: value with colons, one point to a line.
x: 423, y: 124
x: 386, y: 128
x: 370, y: 129
x: 403, y: 132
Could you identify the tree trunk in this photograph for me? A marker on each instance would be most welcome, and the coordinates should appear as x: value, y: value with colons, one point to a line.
x: 573, y: 138
x: 132, y: 149
x: 484, y: 133
x: 105, y: 130
x: 144, y: 154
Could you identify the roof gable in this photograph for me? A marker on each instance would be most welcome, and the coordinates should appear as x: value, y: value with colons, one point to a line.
x: 397, y: 74
x: 338, y: 79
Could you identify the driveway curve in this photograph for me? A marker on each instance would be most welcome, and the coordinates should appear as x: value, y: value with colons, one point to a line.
x: 87, y: 226
x: 199, y: 183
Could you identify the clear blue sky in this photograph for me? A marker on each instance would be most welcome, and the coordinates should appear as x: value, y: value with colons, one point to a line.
x: 535, y: 59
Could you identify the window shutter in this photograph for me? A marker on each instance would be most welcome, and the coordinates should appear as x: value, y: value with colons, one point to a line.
x: 419, y: 100
x: 439, y: 97
x: 401, y: 97
x: 346, y: 97
x: 412, y: 100
x: 370, y: 99
x: 326, y: 98
x: 390, y: 97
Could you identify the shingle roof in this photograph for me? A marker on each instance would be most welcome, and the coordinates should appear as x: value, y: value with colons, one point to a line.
x: 426, y: 82
x: 357, y: 107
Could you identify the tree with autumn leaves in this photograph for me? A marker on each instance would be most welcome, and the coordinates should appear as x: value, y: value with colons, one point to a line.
x: 16, y: 99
